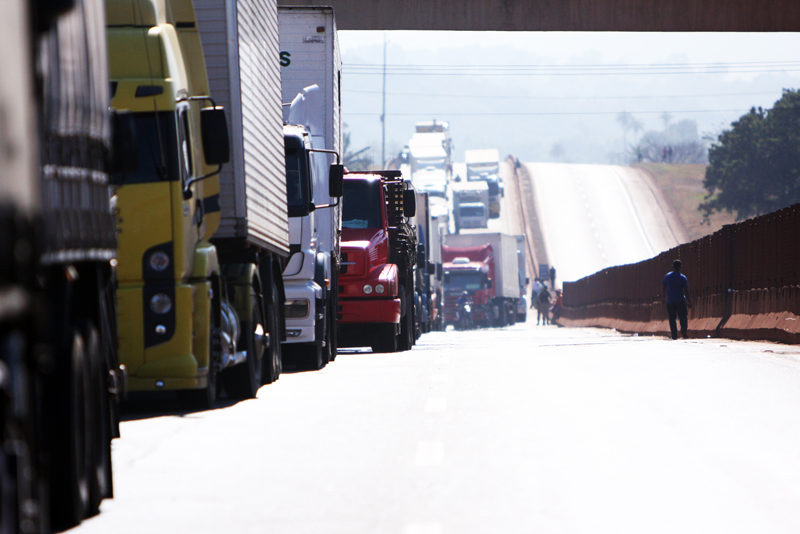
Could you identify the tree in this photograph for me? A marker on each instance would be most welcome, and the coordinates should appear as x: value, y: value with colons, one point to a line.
x: 628, y: 123
x: 354, y: 161
x: 754, y: 167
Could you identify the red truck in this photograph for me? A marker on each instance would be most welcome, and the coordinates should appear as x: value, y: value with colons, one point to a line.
x: 379, y: 251
x: 485, y: 265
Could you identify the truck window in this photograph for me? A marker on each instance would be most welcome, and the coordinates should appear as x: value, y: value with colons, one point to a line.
x: 465, y: 281
x: 472, y: 211
x: 296, y: 185
x: 156, y: 137
x: 361, y: 204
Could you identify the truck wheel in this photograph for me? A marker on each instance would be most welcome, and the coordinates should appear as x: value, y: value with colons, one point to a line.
x: 100, y: 429
x: 332, y: 338
x: 71, y: 444
x: 511, y: 313
x: 242, y: 381
x: 273, y: 365
x: 310, y: 356
x: 405, y: 339
x: 385, y: 340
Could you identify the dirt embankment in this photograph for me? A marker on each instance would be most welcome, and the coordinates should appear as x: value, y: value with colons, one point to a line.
x: 682, y: 186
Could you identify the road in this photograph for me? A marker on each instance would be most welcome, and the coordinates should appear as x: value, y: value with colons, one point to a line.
x: 539, y: 429
x: 519, y: 430
x: 596, y: 216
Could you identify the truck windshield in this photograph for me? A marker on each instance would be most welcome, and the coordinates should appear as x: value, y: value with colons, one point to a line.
x: 296, y: 181
x: 156, y: 138
x: 472, y: 211
x: 465, y: 281
x: 361, y: 204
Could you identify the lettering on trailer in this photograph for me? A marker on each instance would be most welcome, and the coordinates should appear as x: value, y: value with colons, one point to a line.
x: 285, y: 61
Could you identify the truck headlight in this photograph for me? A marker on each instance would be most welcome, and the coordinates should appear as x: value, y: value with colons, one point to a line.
x: 296, y: 308
x: 158, y: 261
x: 380, y: 289
x: 367, y: 289
x: 160, y: 303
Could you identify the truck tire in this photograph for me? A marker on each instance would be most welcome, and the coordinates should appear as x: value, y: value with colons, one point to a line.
x: 405, y: 339
x: 386, y: 340
x: 70, y: 444
x: 332, y: 337
x: 99, y: 430
x: 242, y: 381
x: 273, y: 365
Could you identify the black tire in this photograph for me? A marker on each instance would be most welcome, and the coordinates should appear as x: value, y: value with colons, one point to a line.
x: 242, y: 381
x: 405, y: 339
x: 99, y: 431
x: 332, y: 332
x: 71, y: 446
x: 386, y: 340
x: 273, y: 365
x: 309, y: 356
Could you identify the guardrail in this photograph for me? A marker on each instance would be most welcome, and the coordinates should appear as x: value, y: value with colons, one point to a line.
x: 744, y: 281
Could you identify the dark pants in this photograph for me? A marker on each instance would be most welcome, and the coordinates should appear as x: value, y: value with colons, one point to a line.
x: 680, y: 311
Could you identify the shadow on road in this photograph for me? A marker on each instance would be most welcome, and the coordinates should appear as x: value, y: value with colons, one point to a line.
x: 146, y: 405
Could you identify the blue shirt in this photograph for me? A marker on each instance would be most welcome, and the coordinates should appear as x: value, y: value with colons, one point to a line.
x: 675, y: 282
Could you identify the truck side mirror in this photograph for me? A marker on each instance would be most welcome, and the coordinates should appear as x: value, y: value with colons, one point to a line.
x: 214, y: 129
x: 431, y: 268
x: 125, y: 155
x: 410, y: 202
x: 527, y: 280
x: 336, y: 180
x: 446, y: 278
x: 439, y: 271
x: 489, y: 284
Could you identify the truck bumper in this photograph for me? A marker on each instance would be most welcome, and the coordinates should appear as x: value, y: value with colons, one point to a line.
x: 302, y: 329
x: 356, y: 311
x: 170, y: 364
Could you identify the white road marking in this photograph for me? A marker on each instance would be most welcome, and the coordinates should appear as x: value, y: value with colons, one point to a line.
x: 429, y: 453
x: 436, y: 404
x: 423, y: 528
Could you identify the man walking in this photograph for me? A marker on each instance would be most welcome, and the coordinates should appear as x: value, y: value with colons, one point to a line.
x: 676, y: 296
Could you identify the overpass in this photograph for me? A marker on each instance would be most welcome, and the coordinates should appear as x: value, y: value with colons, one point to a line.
x: 566, y: 15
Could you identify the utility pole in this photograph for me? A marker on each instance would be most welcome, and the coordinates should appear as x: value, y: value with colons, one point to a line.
x: 383, y: 113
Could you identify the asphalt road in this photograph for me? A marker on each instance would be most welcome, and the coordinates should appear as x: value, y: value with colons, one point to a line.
x: 529, y: 429
x: 596, y: 216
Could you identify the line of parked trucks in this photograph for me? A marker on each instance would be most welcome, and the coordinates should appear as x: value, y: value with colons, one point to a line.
x: 175, y: 217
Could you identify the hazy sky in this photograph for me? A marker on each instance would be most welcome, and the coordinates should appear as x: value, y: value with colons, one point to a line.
x: 493, y: 90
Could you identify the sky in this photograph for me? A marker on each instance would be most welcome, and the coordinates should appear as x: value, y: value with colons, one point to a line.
x: 525, y: 92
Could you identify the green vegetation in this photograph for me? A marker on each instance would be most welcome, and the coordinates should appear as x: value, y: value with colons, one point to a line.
x: 682, y: 186
x: 754, y: 167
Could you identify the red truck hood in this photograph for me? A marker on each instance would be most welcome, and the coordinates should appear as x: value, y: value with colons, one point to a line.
x: 363, y: 249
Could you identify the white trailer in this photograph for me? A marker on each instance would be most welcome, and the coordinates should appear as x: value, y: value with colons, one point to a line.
x: 311, y: 69
x: 485, y: 161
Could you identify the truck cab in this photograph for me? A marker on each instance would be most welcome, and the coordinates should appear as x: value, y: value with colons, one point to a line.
x: 470, y: 205
x: 309, y: 276
x: 176, y: 331
x: 469, y: 269
x: 379, y: 252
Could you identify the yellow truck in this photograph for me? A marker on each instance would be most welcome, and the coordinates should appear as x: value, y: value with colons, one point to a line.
x: 202, y: 243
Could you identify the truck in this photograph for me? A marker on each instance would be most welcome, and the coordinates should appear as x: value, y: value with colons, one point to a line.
x: 486, y: 266
x: 484, y: 165
x: 311, y: 69
x: 379, y: 252
x: 428, y: 273
x: 430, y: 151
x: 443, y: 128
x: 202, y: 243
x: 470, y: 201
x: 60, y: 377
x: 524, y: 279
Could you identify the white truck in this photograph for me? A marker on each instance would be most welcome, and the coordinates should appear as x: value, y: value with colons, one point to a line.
x: 428, y: 274
x: 484, y: 165
x: 524, y: 280
x: 470, y: 203
x: 311, y: 69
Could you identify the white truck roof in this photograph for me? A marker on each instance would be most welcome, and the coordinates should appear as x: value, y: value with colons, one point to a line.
x: 488, y: 155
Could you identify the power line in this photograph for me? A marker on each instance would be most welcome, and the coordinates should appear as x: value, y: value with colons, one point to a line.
x: 548, y: 113
x: 536, y: 97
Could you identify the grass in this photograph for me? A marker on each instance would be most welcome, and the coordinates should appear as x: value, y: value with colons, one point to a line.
x: 682, y: 186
